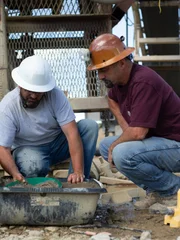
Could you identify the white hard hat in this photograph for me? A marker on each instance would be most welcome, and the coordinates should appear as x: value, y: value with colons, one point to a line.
x: 34, y: 74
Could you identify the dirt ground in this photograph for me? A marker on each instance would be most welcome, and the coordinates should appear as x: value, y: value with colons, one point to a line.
x: 142, y: 221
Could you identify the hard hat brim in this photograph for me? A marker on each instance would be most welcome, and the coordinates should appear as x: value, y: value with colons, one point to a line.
x: 115, y: 59
x: 31, y: 87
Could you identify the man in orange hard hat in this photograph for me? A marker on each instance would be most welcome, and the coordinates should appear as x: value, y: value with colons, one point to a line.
x: 148, y: 111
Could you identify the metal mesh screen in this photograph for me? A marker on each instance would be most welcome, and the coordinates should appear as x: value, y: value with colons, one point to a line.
x: 51, y: 7
x: 58, y: 39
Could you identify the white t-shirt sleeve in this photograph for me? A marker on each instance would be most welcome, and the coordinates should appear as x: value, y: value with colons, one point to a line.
x: 7, y: 130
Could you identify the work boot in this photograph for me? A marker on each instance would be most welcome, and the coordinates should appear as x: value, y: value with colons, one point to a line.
x: 153, y: 198
x: 170, y: 201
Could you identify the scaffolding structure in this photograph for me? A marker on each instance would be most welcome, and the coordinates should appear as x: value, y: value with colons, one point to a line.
x: 55, y: 30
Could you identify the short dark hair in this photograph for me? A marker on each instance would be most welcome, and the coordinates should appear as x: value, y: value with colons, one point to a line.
x: 130, y: 57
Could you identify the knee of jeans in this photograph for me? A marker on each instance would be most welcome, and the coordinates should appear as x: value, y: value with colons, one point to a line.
x: 34, y: 171
x: 30, y: 162
x: 92, y: 124
x: 89, y: 126
x: 120, y: 159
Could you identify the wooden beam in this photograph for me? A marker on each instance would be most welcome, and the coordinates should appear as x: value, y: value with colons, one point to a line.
x: 160, y: 40
x: 58, y: 18
x: 61, y: 23
x: 113, y: 181
x: 138, y: 33
x: 157, y: 58
x: 3, y: 53
x: 156, y: 4
x: 90, y: 104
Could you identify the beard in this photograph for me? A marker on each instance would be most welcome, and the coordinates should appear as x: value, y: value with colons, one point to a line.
x: 30, y: 103
x: 108, y: 83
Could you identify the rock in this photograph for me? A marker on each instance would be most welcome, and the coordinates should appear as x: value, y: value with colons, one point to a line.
x: 34, y: 238
x: 35, y: 233
x: 101, y: 236
x: 131, y: 238
x: 159, y: 208
x: 22, y: 228
x: 121, y: 212
x: 52, y: 229
x: 120, y: 197
x: 12, y: 237
x: 12, y: 227
x: 146, y: 235
x: 55, y: 235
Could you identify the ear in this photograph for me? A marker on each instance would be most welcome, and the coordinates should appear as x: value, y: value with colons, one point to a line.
x: 122, y: 63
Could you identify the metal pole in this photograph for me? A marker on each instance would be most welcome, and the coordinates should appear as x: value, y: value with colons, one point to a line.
x: 127, y: 29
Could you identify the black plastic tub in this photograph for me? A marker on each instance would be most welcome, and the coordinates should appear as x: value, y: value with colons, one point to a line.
x: 70, y: 205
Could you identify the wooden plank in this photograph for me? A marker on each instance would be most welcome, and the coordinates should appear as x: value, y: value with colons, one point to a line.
x: 90, y: 104
x: 160, y: 40
x: 3, y: 53
x: 60, y: 173
x: 110, y: 180
x: 156, y: 4
x: 156, y: 58
x: 50, y: 23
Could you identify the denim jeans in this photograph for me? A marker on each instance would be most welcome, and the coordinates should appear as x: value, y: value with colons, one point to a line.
x: 35, y: 161
x: 149, y: 163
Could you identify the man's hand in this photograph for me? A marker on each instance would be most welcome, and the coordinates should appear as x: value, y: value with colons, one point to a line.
x: 110, y: 159
x: 110, y: 156
x: 18, y: 177
x: 76, y: 177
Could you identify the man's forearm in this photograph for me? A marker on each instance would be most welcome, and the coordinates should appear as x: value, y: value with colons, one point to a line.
x: 121, y: 121
x: 114, y: 107
x: 7, y: 162
x: 130, y: 134
x: 76, y: 153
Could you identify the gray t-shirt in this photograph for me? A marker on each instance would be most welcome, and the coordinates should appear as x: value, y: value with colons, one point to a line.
x: 21, y: 126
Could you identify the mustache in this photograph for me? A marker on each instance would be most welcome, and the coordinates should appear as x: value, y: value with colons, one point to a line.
x: 108, y: 83
x: 25, y: 104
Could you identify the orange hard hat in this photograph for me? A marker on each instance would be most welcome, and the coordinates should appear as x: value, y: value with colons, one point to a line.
x: 107, y: 49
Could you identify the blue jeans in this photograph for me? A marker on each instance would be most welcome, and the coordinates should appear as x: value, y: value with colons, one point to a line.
x: 35, y: 161
x: 149, y: 163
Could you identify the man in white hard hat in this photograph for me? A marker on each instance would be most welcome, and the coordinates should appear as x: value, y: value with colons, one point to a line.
x: 38, y: 127
x: 148, y: 111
